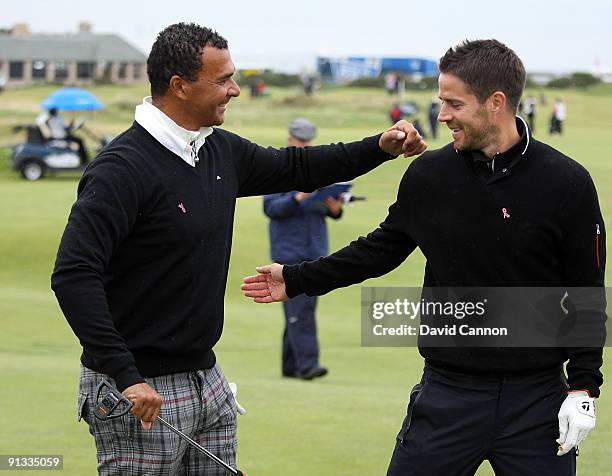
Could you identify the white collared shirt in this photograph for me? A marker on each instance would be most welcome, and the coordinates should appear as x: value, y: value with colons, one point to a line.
x: 169, y: 134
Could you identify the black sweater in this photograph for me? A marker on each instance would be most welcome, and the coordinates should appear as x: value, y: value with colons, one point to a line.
x: 451, y: 205
x: 142, y: 266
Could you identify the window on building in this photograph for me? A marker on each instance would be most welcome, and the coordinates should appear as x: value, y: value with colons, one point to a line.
x: 85, y: 70
x: 61, y: 70
x: 137, y: 70
x: 122, y: 73
x: 39, y: 69
x: 16, y: 70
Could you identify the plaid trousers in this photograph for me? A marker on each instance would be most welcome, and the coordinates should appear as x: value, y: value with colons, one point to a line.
x: 198, y: 403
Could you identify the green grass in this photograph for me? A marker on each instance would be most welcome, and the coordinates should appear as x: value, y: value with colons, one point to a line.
x: 342, y: 424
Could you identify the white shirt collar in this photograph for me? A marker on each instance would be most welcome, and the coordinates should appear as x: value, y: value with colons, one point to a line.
x: 168, y: 133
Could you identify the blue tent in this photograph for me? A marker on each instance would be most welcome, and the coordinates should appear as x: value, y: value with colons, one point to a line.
x: 72, y: 99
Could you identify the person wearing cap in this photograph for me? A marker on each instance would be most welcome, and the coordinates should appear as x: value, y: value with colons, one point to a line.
x: 298, y: 232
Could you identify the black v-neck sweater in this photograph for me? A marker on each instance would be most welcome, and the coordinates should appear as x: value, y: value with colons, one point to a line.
x: 530, y: 218
x: 142, y: 266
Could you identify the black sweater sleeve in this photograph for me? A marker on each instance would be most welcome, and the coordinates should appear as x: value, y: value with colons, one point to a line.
x: 267, y: 170
x: 367, y: 257
x: 106, y: 208
x: 584, y: 265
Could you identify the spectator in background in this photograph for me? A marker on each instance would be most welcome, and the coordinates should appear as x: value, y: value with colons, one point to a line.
x: 298, y: 232
x: 557, y: 118
x: 434, y: 109
x: 52, y: 126
x: 530, y: 111
x: 309, y: 84
x: 262, y: 88
x: 259, y: 88
x: 391, y: 81
x: 395, y: 114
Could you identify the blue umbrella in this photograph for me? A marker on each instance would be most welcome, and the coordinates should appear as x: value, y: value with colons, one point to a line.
x: 72, y: 99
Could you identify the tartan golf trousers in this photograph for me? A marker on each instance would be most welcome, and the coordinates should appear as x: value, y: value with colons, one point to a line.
x: 198, y: 403
x: 456, y: 421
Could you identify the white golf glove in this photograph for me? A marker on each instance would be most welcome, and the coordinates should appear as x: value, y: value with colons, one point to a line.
x: 234, y: 388
x: 576, y: 420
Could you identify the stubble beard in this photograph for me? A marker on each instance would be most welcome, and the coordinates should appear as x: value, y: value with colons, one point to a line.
x: 479, y: 135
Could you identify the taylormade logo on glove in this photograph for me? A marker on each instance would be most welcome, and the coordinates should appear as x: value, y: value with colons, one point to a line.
x: 576, y: 420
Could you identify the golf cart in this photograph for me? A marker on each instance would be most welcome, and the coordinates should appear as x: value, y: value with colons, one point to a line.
x: 39, y: 154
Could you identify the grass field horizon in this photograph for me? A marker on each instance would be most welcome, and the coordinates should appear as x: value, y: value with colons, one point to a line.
x: 343, y: 424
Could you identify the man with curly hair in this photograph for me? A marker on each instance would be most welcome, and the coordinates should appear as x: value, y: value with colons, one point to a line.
x: 142, y: 266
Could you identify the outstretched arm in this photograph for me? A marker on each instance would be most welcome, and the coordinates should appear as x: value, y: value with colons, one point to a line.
x: 374, y: 255
x: 264, y: 171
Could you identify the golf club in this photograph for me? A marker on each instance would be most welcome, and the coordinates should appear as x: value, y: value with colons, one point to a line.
x: 114, y: 399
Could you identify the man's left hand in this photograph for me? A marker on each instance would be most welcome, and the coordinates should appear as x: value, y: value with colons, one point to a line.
x: 576, y: 420
x: 402, y: 138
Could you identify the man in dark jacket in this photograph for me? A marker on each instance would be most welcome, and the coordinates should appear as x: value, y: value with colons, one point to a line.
x: 495, y: 208
x: 142, y: 266
x: 298, y: 232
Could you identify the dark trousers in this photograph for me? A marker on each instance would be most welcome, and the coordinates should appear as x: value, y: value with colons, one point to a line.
x: 433, y: 125
x: 531, y: 121
x: 454, y: 422
x: 82, y: 149
x: 300, y: 346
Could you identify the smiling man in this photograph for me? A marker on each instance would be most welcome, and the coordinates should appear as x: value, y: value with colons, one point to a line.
x: 494, y: 208
x: 142, y: 266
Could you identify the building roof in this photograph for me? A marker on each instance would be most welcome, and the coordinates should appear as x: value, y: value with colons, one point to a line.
x: 92, y: 47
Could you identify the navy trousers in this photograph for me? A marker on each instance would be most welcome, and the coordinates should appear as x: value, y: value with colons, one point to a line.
x: 455, y: 421
x: 300, y: 346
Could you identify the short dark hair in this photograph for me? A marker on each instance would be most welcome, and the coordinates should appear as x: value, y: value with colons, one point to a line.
x: 486, y: 66
x: 178, y: 50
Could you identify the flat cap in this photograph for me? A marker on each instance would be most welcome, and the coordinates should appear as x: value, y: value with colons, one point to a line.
x: 302, y: 129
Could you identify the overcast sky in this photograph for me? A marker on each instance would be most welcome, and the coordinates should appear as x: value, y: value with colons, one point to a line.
x: 549, y: 35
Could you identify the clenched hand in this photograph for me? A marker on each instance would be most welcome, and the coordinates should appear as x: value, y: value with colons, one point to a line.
x: 147, y: 403
x: 402, y: 138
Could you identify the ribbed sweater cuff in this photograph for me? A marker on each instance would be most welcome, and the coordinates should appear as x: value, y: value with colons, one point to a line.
x: 128, y: 377
x: 292, y: 280
x: 585, y: 383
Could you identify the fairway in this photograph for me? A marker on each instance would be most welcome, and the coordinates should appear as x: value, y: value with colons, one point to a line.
x: 343, y: 424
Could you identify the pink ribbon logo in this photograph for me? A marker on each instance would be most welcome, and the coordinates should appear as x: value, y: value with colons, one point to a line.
x: 184, y: 210
x: 506, y: 214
